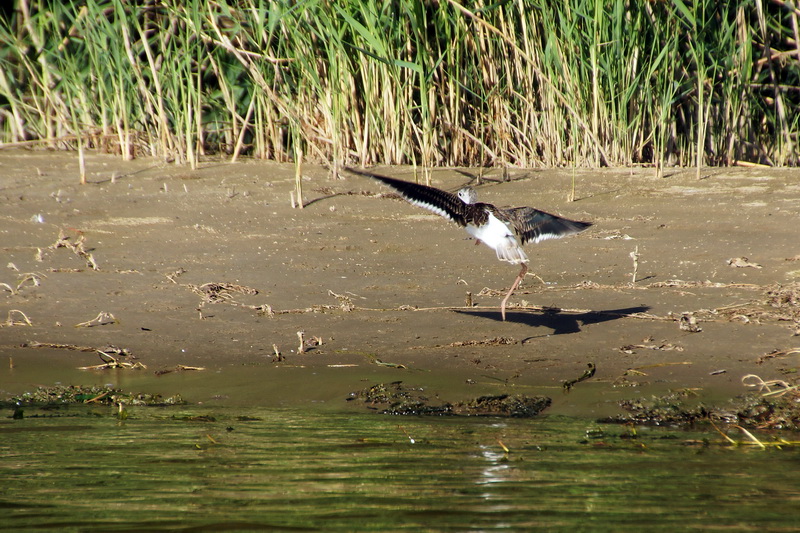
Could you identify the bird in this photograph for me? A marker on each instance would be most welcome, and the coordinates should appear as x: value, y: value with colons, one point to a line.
x: 504, y: 229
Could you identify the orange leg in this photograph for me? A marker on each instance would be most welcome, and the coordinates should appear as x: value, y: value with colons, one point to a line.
x: 514, y: 286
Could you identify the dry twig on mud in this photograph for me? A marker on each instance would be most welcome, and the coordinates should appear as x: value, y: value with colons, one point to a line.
x: 782, y: 303
x: 9, y: 288
x: 103, y: 318
x: 638, y: 371
x: 631, y: 348
x: 217, y: 292
x: 496, y: 341
x: 681, y: 284
x: 777, y: 353
x: 177, y: 368
x: 110, y: 349
x: 765, y: 388
x: 10, y: 321
x: 109, y: 361
x: 109, y: 354
x: 220, y: 292
x: 345, y: 302
x: 77, y: 248
x: 34, y: 278
x: 313, y: 309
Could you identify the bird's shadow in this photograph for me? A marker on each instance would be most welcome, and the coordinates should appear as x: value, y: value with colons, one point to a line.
x: 558, y: 321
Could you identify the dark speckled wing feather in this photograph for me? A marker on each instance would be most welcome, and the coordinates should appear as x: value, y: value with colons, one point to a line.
x: 532, y: 225
x: 440, y: 202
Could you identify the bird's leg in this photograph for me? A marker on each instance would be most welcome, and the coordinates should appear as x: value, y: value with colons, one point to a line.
x: 514, y: 286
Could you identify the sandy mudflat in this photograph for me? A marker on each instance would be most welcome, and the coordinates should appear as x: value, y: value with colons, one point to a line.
x: 381, y: 281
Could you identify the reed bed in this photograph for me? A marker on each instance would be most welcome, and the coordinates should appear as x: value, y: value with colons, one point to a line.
x: 512, y: 83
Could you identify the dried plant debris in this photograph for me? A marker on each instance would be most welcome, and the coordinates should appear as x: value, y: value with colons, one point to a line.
x: 330, y: 191
x: 268, y: 310
x: 784, y: 296
x: 486, y: 291
x: 742, y: 262
x: 110, y: 355
x: 777, y: 353
x: 624, y: 381
x: 220, y: 292
x: 103, y: 318
x: 212, y: 293
x: 108, y: 349
x: 681, y: 284
x: 109, y: 361
x: 177, y: 368
x: 78, y: 248
x: 345, y: 302
x: 649, y: 345
x: 34, y: 279
x: 397, y: 399
x: 61, y: 395
x: 780, y: 303
x: 13, y: 319
x: 495, y: 341
x: 772, y: 387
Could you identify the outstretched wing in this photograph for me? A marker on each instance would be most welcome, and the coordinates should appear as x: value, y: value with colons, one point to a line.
x: 440, y: 202
x: 532, y: 225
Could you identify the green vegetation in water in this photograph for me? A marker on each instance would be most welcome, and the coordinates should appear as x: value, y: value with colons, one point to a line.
x: 397, y: 399
x: 317, y: 470
x: 578, y: 82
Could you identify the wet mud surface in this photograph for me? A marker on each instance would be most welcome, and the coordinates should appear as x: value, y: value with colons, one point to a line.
x: 208, y: 284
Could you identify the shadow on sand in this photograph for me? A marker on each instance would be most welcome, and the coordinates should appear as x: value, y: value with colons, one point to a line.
x: 559, y: 321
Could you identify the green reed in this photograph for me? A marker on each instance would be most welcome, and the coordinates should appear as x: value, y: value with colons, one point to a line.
x: 511, y: 83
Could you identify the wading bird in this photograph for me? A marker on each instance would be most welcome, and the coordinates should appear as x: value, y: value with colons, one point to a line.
x: 502, y: 229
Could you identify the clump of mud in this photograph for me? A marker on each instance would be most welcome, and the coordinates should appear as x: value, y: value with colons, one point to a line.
x: 60, y: 395
x: 397, y: 399
x: 753, y: 411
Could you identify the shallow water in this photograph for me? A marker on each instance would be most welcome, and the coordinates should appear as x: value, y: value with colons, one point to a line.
x: 303, y: 470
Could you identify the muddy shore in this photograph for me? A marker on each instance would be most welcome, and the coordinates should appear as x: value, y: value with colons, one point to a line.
x: 214, y: 269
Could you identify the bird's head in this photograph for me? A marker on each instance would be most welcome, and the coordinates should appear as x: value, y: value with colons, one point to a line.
x: 468, y: 195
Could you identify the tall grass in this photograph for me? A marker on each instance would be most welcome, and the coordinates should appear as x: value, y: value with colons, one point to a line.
x: 511, y: 83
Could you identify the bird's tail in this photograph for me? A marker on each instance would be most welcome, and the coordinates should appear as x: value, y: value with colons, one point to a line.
x: 509, y: 250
